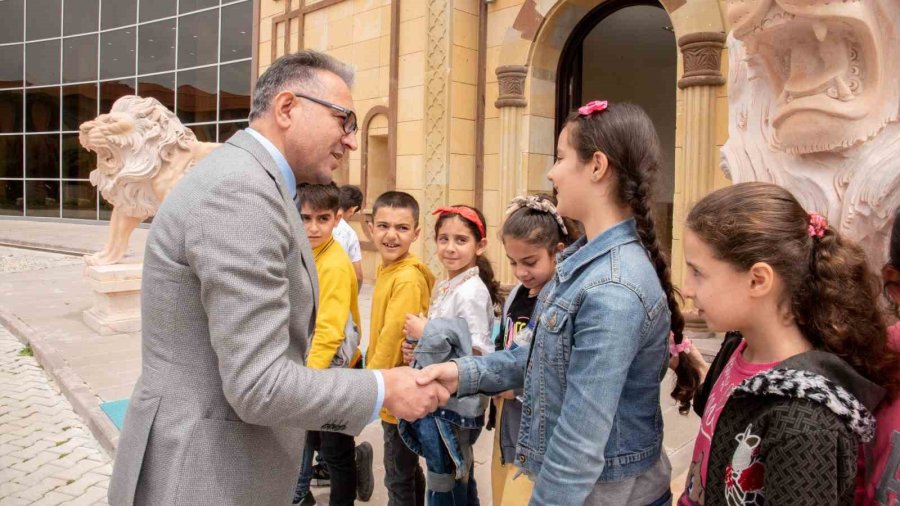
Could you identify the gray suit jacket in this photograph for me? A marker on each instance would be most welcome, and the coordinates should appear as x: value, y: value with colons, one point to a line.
x: 220, y: 412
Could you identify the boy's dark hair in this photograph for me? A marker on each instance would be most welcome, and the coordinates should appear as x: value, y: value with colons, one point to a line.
x: 319, y: 196
x: 485, y: 270
x: 539, y: 228
x: 397, y: 200
x: 351, y: 196
x: 895, y: 241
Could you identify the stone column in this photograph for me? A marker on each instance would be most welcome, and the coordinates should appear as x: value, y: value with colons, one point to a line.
x: 702, y: 53
x: 513, y: 180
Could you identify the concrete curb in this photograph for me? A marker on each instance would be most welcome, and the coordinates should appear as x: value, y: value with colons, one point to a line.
x: 40, y: 246
x: 76, y: 391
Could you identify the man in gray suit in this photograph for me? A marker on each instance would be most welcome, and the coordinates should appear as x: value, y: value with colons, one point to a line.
x: 220, y: 412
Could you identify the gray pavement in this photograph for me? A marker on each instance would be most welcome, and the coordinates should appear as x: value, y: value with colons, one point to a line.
x: 43, y: 295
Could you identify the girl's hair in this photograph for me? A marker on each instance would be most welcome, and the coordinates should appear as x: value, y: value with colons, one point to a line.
x: 895, y: 241
x: 831, y: 293
x: 625, y: 134
x: 485, y: 271
x: 539, y: 227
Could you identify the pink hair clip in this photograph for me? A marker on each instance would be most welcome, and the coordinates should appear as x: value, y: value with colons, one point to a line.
x: 592, y: 107
x: 817, y: 225
x: 675, y: 349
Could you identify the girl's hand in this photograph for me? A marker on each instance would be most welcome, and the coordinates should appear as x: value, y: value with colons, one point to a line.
x: 414, y: 326
x: 407, y: 348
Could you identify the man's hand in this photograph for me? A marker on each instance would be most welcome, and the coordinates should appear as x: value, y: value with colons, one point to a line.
x: 446, y: 374
x: 409, y: 399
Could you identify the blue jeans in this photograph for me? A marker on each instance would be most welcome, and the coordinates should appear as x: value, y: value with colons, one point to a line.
x: 306, y: 470
x: 446, y: 440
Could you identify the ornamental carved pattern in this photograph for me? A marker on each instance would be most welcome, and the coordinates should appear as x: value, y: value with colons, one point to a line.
x: 702, y: 53
x: 437, y: 85
x: 511, y: 79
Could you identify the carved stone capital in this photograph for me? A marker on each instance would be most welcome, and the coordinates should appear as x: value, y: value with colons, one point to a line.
x: 511, y: 79
x: 702, y: 52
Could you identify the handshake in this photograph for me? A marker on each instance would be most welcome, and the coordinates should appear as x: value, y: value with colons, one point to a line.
x: 411, y: 394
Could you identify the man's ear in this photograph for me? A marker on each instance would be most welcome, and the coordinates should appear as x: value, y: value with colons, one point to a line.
x: 281, y: 108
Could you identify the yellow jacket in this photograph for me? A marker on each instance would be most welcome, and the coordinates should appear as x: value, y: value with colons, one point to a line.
x: 400, y: 288
x: 338, y: 298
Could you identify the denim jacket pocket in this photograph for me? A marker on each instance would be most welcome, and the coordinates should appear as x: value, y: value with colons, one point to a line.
x: 555, y: 323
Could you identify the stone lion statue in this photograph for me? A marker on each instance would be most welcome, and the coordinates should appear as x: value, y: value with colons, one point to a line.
x: 142, y: 150
x: 814, y: 106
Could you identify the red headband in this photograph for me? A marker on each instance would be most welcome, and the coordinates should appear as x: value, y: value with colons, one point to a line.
x: 465, y: 212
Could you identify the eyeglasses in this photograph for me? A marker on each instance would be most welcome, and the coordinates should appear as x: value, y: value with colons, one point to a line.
x: 349, y: 120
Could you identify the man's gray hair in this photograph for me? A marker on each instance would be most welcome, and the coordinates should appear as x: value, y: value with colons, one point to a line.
x: 298, y: 69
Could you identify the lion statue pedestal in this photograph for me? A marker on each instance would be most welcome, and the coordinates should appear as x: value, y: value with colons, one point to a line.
x: 142, y: 150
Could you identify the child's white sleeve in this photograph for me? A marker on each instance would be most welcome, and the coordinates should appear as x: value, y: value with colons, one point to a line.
x: 476, y: 308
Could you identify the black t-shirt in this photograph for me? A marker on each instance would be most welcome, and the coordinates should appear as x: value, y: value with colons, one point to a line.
x: 514, y: 321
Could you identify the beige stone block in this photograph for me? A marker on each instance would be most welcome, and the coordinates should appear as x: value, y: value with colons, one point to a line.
x: 367, y: 25
x: 464, y: 65
x: 492, y: 61
x: 339, y: 11
x: 379, y: 122
x: 315, y: 36
x: 539, y: 166
x: 279, y: 47
x: 340, y: 33
x: 413, y: 35
x: 462, y: 197
x: 411, y: 138
x: 719, y: 180
x: 265, y: 54
x: 268, y: 8
x: 505, y: 4
x: 462, y: 136
x: 367, y: 54
x: 384, y: 50
x: 412, y: 70
x: 462, y: 100
x: 365, y: 5
x: 294, y: 41
x: 412, y: 10
x: 411, y: 171
x: 343, y: 53
x: 491, y: 205
x: 492, y: 172
x: 462, y: 172
x: 500, y: 20
x: 262, y: 68
x: 411, y: 103
x: 492, y: 135
x: 384, y: 81
x: 721, y: 120
x: 491, y: 92
x: 469, y: 6
x: 365, y: 85
x: 542, y: 98
x: 280, y: 27
x: 465, y: 29
x: 265, y: 29
x: 315, y: 18
x: 542, y: 136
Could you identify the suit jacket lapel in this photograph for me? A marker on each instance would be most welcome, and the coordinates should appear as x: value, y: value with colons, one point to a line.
x: 246, y: 141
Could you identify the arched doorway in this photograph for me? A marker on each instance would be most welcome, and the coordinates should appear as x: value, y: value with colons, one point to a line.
x: 625, y: 51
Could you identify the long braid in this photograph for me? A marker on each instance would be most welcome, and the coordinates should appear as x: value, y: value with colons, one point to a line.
x: 625, y: 134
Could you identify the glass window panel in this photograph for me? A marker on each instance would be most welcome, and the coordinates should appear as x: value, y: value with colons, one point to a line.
x: 79, y: 200
x: 42, y: 19
x: 118, y: 13
x: 10, y: 111
x: 204, y: 133
x: 80, y: 16
x: 157, y: 46
x: 42, y: 198
x: 12, y: 12
x: 12, y: 66
x: 110, y: 91
x: 80, y: 59
x: 11, y: 156
x: 197, y: 95
x: 105, y: 209
x: 237, y: 31
x: 42, y: 109
x: 193, y: 5
x: 198, y: 38
x: 161, y: 87
x: 79, y: 105
x: 77, y: 161
x: 226, y: 130
x: 117, y: 53
x: 42, y: 156
x: 234, y: 95
x: 42, y: 63
x: 156, y: 9
x: 11, y: 201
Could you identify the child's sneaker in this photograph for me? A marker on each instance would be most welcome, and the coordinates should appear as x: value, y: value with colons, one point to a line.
x: 365, y: 479
x: 320, y: 476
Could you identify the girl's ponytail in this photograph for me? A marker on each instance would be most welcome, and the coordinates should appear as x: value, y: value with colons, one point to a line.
x: 486, y: 273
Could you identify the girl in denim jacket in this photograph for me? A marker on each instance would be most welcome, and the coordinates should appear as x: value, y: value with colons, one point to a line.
x: 591, y: 429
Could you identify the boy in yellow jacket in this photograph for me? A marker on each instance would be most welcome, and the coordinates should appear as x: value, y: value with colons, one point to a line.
x: 402, y: 286
x: 335, y: 343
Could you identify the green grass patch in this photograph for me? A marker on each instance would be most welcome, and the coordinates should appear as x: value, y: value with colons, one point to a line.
x: 62, y: 456
x: 26, y: 351
x: 60, y: 443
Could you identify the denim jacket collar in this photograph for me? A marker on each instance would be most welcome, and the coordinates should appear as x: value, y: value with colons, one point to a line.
x: 582, y: 252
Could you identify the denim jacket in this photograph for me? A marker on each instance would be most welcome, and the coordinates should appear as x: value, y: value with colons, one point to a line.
x: 592, y: 375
